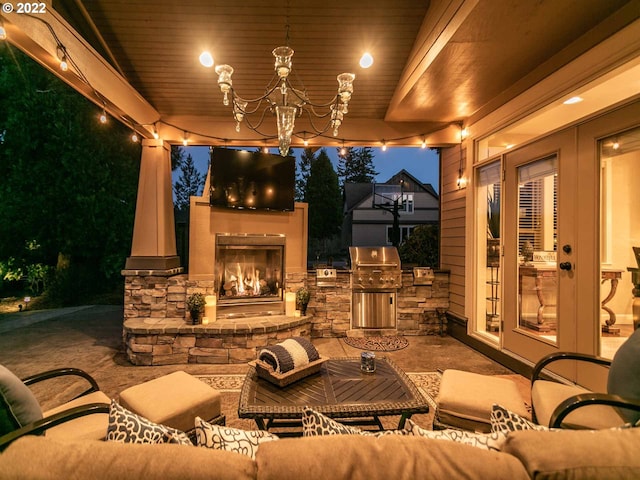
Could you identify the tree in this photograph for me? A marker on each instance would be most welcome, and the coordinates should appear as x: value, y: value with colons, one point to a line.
x: 302, y: 175
x: 68, y: 183
x: 324, y: 198
x: 189, y: 183
x: 177, y: 157
x: 356, y: 166
x: 422, y: 246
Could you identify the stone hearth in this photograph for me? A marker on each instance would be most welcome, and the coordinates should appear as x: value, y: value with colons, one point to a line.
x: 163, y: 341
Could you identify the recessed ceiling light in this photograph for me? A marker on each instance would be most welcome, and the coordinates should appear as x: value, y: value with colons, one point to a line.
x: 206, y: 59
x: 573, y: 100
x: 366, y: 60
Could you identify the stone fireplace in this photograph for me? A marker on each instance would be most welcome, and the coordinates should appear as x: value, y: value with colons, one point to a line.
x: 249, y: 275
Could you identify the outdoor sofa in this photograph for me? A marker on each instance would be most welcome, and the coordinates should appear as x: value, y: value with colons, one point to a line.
x: 566, y: 454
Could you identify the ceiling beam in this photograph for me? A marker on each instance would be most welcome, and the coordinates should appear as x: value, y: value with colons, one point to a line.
x: 442, y: 21
x: 40, y: 36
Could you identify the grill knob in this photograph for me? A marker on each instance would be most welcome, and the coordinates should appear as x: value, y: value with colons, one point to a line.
x: 370, y: 279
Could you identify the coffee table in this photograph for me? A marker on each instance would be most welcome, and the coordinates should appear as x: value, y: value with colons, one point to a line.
x: 339, y: 390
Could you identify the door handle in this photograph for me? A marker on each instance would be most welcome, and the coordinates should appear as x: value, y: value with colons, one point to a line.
x: 565, y: 266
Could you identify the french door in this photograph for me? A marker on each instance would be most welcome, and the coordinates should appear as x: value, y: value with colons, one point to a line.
x: 540, y: 237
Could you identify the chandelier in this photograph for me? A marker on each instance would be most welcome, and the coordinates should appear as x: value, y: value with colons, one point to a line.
x: 285, y: 102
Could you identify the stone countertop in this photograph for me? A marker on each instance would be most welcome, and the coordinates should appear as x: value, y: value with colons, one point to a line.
x: 264, y: 324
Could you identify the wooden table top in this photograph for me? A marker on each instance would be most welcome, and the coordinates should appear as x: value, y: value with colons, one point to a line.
x: 340, y: 389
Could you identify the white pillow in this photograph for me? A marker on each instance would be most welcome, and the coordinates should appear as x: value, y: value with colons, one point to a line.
x: 245, y: 442
x: 485, y: 441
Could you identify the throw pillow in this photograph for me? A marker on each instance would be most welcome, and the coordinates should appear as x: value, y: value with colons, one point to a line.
x: 316, y: 424
x: 18, y: 405
x: 128, y: 427
x: 623, y: 376
x: 486, y: 441
x: 231, y: 439
x: 504, y: 420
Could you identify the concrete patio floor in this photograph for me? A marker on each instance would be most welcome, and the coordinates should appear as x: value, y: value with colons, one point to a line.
x: 90, y: 338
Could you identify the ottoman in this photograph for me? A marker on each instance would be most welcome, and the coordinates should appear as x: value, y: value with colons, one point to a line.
x: 465, y: 400
x: 174, y: 400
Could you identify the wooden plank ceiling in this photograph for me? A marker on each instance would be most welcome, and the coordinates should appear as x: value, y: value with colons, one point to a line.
x: 436, y: 62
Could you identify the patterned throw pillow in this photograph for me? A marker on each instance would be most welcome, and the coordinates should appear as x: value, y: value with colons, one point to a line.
x: 127, y: 427
x: 231, y: 439
x: 503, y: 420
x: 485, y: 441
x: 316, y: 424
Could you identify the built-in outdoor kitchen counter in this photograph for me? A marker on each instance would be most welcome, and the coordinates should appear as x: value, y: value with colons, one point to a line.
x: 157, y: 330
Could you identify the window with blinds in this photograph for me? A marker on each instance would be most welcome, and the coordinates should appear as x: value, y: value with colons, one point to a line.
x: 537, y: 204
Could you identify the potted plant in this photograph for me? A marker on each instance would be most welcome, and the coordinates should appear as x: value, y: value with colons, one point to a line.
x: 195, y: 305
x: 302, y: 299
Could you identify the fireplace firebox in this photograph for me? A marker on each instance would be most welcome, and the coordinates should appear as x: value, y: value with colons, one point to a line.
x: 249, y: 274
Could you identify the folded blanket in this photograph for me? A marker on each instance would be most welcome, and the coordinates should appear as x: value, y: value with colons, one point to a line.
x: 293, y: 353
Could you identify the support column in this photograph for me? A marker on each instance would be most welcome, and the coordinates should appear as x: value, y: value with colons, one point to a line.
x: 154, y: 239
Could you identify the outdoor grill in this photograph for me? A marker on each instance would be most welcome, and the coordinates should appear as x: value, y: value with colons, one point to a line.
x: 376, y: 275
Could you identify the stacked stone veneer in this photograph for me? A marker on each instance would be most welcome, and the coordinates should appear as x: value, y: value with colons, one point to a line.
x: 158, y: 331
x: 416, y: 306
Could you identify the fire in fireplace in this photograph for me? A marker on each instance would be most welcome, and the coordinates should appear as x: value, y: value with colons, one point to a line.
x: 249, y: 273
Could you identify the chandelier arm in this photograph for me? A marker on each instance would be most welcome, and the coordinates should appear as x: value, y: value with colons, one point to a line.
x: 317, y: 130
x: 253, y: 100
x: 257, y: 125
x: 302, y: 95
x: 311, y: 110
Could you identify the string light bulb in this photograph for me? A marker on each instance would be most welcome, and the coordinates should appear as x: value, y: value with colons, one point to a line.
x: 134, y: 137
x: 3, y: 32
x: 62, y: 57
x: 103, y: 117
x: 384, y: 146
x: 366, y: 60
x: 424, y: 144
x: 343, y: 151
x: 185, y: 139
x: 155, y: 132
x: 305, y: 142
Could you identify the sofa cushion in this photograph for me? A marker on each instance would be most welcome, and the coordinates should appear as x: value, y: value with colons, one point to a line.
x: 41, y: 458
x: 577, y: 454
x: 398, y: 457
x: 18, y: 405
x: 623, y: 376
x: 88, y: 427
x: 465, y: 399
x: 245, y: 442
x: 127, y: 427
x: 547, y: 395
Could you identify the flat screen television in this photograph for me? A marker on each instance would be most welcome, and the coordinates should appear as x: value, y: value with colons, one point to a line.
x: 251, y: 180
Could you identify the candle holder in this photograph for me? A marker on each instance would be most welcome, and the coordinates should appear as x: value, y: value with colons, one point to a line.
x: 368, y: 362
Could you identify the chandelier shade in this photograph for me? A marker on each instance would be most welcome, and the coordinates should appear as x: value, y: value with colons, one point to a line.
x: 285, y: 102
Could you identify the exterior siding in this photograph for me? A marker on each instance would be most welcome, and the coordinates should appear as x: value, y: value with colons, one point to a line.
x: 452, y: 226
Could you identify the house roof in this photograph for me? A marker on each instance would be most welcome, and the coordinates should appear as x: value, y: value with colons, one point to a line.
x: 436, y: 63
x: 356, y: 193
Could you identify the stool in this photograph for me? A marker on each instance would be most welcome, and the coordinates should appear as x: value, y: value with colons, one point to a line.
x: 174, y: 400
x: 465, y: 400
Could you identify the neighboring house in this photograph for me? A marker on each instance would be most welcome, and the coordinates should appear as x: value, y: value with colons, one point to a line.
x: 367, y: 224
